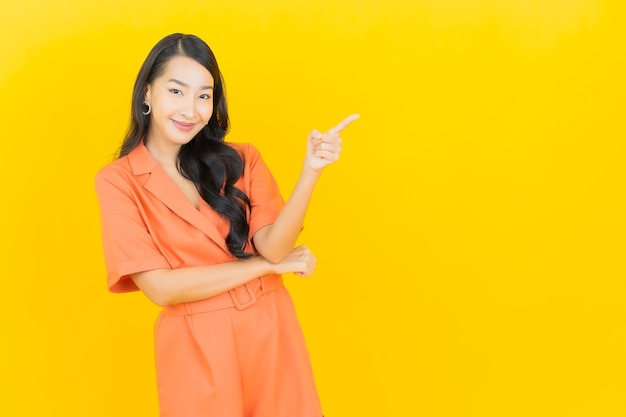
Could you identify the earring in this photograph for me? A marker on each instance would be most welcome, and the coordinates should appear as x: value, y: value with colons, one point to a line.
x: 147, y: 112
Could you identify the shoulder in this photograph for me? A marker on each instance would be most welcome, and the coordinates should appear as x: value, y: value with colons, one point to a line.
x: 115, y: 169
x: 130, y: 168
x: 248, y: 152
x: 244, y: 149
x: 117, y: 172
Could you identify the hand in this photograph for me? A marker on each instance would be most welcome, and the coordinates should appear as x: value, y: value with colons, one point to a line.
x: 300, y: 261
x: 324, y: 148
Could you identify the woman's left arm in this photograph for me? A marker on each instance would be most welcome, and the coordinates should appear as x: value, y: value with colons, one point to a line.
x: 274, y: 242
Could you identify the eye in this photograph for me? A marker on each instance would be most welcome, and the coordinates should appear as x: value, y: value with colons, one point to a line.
x: 175, y: 91
x: 205, y: 97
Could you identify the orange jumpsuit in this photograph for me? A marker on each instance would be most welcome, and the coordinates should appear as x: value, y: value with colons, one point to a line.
x: 238, y: 354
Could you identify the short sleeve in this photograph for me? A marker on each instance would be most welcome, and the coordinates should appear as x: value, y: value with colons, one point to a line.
x: 265, y: 197
x: 127, y: 244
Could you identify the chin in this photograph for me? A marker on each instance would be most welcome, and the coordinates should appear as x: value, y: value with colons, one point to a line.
x: 183, y: 140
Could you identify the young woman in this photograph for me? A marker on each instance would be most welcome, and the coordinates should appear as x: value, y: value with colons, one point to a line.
x: 199, y: 226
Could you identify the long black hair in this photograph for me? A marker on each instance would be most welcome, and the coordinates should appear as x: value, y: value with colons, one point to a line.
x: 212, y: 165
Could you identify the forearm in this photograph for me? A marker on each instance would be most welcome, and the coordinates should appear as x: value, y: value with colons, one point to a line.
x: 173, y: 286
x: 276, y: 241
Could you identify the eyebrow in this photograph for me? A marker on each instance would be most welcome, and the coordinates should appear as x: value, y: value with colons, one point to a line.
x: 182, y: 84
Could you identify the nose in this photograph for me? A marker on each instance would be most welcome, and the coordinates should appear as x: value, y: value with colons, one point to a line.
x: 188, y: 109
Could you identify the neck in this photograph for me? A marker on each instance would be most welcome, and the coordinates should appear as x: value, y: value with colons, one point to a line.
x: 165, y: 155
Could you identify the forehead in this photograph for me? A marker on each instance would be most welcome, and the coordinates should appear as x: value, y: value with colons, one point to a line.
x: 188, y: 71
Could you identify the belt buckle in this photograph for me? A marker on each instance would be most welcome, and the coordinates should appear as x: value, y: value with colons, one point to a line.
x: 235, y: 296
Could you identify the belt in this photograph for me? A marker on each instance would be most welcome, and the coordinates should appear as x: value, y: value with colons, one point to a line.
x: 240, y: 297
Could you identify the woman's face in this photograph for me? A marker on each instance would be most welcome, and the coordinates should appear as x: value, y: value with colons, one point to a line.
x: 182, y: 102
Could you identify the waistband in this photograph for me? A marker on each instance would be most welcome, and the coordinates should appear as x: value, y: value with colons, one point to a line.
x: 240, y: 297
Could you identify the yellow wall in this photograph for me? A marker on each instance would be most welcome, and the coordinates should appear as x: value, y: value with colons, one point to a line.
x: 471, y: 240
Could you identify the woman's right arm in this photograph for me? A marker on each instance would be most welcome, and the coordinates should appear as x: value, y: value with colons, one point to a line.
x: 130, y: 252
x: 174, y: 286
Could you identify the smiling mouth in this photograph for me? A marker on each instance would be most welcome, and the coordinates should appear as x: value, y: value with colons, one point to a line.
x: 183, y: 126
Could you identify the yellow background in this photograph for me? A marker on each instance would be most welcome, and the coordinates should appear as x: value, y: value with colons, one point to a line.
x: 470, y: 241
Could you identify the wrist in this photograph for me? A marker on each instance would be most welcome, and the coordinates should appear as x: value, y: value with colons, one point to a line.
x: 309, y: 172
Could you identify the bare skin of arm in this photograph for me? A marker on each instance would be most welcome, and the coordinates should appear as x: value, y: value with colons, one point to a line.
x: 274, y: 242
x: 173, y: 286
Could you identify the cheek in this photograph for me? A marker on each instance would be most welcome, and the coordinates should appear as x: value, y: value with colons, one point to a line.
x: 164, y: 107
x: 206, y: 110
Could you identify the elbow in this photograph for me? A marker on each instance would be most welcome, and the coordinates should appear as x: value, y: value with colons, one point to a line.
x: 273, y: 255
x: 275, y: 258
x: 152, y: 285
x: 160, y: 298
x: 166, y: 296
x: 272, y: 250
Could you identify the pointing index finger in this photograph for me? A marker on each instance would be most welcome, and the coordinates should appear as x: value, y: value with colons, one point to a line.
x: 343, y: 124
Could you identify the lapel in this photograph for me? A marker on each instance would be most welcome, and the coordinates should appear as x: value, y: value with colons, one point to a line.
x: 159, y: 184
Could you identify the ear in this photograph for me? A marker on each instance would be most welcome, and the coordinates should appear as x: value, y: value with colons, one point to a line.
x: 148, y: 90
